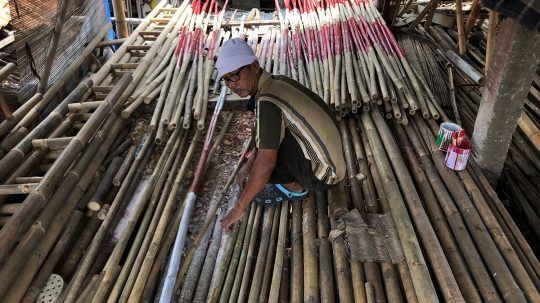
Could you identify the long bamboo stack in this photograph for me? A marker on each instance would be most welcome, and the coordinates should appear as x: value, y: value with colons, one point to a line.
x: 459, y: 241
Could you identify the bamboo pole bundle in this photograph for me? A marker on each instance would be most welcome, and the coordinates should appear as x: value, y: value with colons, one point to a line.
x: 145, y: 62
x: 511, y: 224
x: 126, y: 189
x: 118, y: 251
x: 522, y: 278
x: 53, y: 217
x: 494, y: 261
x: 246, y: 258
x: 200, y: 110
x: 40, y: 280
x: 36, y: 199
x: 233, y: 263
x: 280, y: 251
x: 472, y: 257
x: 423, y: 285
x: 445, y: 237
x: 442, y: 269
x: 153, y: 213
x: 261, y: 259
x: 16, y: 154
x: 160, y: 246
x: 269, y: 265
x: 188, y: 288
x: 337, y: 203
x: 212, y: 211
x: 213, y: 296
x: 190, y: 203
x: 206, y: 272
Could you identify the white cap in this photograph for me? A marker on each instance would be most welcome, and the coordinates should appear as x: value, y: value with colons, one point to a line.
x: 234, y: 54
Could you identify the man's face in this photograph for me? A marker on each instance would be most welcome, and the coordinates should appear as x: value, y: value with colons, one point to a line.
x: 246, y: 80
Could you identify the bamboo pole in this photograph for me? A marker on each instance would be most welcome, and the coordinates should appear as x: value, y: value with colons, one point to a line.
x: 325, y: 258
x: 19, y: 114
x: 530, y: 130
x: 104, y: 187
x: 311, y: 283
x: 121, y: 24
x: 124, y: 168
x: 476, y: 6
x: 206, y: 272
x: 461, y: 30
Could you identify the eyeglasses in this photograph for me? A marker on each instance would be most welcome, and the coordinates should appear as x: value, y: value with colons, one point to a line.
x: 232, y: 78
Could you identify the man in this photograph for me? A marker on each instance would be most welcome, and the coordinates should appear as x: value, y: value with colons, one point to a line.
x: 297, y: 139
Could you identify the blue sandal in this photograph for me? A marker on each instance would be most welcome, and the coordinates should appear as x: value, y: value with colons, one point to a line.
x: 277, y: 193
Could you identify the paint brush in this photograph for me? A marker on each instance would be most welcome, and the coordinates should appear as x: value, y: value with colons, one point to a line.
x: 460, y: 137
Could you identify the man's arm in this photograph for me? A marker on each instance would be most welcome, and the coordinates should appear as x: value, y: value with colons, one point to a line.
x: 246, y: 169
x: 260, y: 174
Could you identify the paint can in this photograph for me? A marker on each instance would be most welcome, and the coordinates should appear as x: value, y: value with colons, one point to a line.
x: 457, y: 157
x: 444, y: 137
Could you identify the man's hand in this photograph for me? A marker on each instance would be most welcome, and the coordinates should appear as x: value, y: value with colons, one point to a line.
x: 234, y: 215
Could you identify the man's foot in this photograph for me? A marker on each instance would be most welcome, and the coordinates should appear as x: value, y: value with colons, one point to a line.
x: 277, y: 193
x: 294, y: 187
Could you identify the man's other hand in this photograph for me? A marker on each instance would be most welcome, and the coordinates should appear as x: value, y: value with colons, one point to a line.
x: 234, y: 215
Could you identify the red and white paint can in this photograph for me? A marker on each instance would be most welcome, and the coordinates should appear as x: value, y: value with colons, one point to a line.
x: 444, y: 137
x: 457, y: 157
